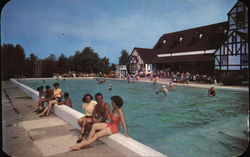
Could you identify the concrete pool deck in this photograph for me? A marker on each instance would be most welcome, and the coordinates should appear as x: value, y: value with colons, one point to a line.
x: 25, y: 134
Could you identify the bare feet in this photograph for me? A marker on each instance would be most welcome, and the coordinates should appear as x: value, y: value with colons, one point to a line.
x: 75, y: 148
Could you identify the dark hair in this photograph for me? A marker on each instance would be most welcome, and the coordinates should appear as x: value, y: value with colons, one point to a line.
x: 39, y: 88
x: 86, y: 95
x: 98, y: 94
x: 66, y: 94
x: 118, y: 100
x: 56, y: 84
x: 47, y: 87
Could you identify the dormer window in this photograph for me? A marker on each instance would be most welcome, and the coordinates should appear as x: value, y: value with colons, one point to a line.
x: 181, y: 39
x: 225, y: 31
x: 200, y: 35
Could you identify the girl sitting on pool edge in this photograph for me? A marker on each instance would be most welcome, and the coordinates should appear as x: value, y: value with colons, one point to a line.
x: 106, y: 129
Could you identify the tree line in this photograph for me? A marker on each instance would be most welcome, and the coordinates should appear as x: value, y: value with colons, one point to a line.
x: 14, y: 62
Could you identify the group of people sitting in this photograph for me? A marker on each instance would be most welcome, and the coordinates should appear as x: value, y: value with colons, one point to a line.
x: 95, y: 123
x: 51, y: 97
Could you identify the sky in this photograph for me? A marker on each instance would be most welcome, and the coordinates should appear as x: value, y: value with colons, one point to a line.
x: 60, y: 27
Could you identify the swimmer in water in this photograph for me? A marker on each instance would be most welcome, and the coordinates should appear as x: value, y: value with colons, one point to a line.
x: 171, y: 85
x: 43, y: 81
x: 110, y: 87
x: 211, y: 91
x: 164, y: 90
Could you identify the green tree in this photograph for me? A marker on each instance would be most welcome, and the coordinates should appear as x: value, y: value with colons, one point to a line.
x: 49, y: 66
x: 12, y: 61
x: 123, y: 59
x: 63, y: 64
x: 30, y: 65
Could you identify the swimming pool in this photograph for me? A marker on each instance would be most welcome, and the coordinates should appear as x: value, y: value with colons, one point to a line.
x: 185, y: 123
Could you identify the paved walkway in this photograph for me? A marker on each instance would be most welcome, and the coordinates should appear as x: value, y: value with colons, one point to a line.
x: 25, y: 134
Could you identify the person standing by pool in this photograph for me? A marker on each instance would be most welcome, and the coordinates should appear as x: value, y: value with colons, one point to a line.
x: 57, y: 97
x: 88, y: 106
x: 106, y: 129
x: 164, y: 90
x: 66, y: 101
x: 211, y: 91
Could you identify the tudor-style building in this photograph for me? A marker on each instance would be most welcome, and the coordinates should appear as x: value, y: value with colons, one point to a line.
x: 198, y: 50
x: 233, y: 53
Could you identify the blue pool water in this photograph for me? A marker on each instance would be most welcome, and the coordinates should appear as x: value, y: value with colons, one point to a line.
x: 185, y: 123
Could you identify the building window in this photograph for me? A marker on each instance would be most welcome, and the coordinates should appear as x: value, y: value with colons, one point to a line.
x: 245, y: 59
x: 234, y: 38
x: 224, y: 60
x: 133, y: 67
x: 240, y: 17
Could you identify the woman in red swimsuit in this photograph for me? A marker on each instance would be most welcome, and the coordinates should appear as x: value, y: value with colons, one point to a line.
x: 106, y: 129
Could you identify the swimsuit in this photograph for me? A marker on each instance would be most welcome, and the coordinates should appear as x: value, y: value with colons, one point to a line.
x: 114, y: 125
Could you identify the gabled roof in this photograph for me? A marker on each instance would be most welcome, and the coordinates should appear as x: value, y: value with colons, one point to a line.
x: 212, y: 37
x: 147, y: 55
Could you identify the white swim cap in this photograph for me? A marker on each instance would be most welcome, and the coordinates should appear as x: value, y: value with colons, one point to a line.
x: 163, y: 86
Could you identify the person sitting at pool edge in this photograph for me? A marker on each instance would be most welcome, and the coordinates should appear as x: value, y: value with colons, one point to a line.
x: 48, y: 96
x: 100, y: 113
x: 66, y: 101
x: 88, y: 105
x: 41, y: 97
x: 211, y: 91
x: 102, y: 109
x: 106, y: 129
x: 57, y: 97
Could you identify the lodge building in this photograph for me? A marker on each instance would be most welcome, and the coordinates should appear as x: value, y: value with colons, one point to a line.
x: 221, y: 46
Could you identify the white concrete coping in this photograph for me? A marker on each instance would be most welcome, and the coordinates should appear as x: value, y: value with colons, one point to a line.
x: 119, y: 142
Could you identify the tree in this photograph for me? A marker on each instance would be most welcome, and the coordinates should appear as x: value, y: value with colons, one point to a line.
x: 12, y: 61
x: 123, y: 59
x: 63, y: 64
x: 30, y: 65
x: 49, y: 66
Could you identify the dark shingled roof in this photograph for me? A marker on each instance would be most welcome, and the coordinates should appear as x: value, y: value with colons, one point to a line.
x: 147, y: 55
x: 212, y: 37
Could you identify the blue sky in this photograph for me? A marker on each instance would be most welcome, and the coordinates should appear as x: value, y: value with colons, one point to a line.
x: 43, y: 27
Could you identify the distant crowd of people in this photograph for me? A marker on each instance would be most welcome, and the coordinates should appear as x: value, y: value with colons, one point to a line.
x: 177, y: 77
